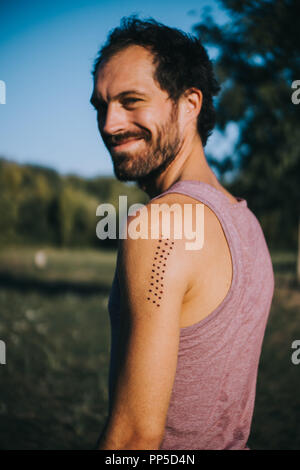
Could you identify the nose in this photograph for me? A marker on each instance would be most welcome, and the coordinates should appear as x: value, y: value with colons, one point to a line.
x: 114, y: 120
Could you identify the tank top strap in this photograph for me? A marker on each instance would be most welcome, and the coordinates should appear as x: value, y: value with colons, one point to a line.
x: 204, y: 192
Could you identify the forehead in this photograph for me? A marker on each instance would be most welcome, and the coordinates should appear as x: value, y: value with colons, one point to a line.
x: 131, y: 68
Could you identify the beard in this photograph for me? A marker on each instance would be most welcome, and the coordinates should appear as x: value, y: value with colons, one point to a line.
x: 143, y: 165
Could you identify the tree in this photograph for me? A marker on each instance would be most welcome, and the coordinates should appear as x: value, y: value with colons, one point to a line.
x: 259, y: 60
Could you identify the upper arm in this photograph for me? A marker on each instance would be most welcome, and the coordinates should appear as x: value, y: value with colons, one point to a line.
x: 154, y: 275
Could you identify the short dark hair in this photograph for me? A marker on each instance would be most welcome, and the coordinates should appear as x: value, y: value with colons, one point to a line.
x: 181, y: 62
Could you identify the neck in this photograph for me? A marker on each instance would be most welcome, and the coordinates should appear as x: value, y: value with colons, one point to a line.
x: 190, y: 164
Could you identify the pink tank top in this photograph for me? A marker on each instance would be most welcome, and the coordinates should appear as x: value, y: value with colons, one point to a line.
x: 213, y: 394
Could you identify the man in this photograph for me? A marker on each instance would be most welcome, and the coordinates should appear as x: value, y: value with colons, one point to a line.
x: 187, y: 325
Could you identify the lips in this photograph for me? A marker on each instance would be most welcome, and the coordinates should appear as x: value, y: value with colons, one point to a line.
x: 132, y: 139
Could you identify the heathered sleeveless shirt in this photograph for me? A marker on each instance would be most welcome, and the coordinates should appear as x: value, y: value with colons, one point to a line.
x: 212, y: 399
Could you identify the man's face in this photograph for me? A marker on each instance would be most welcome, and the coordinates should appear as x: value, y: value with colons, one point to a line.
x: 137, y: 120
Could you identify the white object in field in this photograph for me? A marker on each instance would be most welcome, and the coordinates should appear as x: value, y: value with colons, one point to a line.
x: 40, y: 259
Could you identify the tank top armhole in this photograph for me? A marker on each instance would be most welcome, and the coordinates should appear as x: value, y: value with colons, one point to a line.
x: 235, y: 257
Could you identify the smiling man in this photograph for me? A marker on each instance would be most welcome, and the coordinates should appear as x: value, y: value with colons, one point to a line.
x: 187, y: 326
x: 153, y: 137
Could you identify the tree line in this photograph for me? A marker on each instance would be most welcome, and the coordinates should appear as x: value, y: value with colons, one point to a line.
x: 40, y: 206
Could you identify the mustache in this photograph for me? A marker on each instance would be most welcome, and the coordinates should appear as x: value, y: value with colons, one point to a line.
x: 118, y: 139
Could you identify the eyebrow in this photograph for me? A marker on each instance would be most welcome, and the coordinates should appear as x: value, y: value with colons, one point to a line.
x: 94, y: 100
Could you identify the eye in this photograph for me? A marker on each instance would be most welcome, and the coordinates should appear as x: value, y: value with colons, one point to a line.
x: 129, y: 101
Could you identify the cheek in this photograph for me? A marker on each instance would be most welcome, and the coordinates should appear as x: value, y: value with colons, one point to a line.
x: 143, y: 116
x: 148, y: 119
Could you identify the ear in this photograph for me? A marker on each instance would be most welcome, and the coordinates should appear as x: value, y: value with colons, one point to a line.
x: 190, y: 104
x: 193, y: 102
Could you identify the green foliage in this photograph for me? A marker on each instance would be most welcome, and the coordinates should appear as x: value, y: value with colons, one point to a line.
x: 259, y: 58
x: 77, y: 216
x: 38, y: 205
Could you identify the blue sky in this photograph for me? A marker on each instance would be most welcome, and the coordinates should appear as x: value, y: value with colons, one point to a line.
x: 47, y: 49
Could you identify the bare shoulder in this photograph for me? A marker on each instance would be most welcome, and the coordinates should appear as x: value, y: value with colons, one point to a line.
x: 197, y: 237
x: 196, y: 265
x: 210, y: 264
x: 154, y: 259
x: 198, y: 216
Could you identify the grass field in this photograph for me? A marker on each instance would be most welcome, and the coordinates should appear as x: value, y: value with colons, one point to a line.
x: 55, y: 325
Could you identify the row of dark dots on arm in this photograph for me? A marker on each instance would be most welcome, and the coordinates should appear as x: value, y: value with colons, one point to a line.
x: 162, y: 252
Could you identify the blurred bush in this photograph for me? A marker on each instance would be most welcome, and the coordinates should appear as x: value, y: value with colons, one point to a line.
x: 39, y: 206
